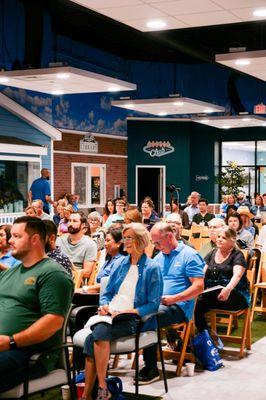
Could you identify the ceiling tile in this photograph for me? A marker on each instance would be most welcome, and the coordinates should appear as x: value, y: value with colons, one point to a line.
x: 130, y: 13
x: 230, y: 4
x: 100, y: 4
x: 211, y: 18
x: 187, y: 7
x: 246, y: 14
x: 235, y: 121
x: 172, y: 23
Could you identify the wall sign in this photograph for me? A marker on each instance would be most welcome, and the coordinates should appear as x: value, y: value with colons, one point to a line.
x: 88, y: 144
x: 157, y: 148
x: 201, y: 178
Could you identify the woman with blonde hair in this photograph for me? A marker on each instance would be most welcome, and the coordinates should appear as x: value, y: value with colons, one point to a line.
x: 225, y: 267
x: 135, y: 287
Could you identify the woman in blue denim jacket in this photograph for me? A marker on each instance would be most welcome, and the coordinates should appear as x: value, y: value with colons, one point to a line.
x: 135, y: 286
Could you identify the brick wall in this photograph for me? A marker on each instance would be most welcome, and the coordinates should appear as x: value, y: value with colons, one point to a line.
x: 116, y: 168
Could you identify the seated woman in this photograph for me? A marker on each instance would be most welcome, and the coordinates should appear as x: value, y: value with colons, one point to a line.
x: 135, y: 286
x: 149, y: 216
x: 258, y: 208
x: 97, y: 234
x: 63, y: 224
x: 244, y: 239
x: 109, y: 209
x: 114, y: 255
x: 225, y: 266
x: 6, y: 258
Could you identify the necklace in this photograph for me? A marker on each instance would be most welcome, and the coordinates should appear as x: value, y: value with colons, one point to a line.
x: 220, y: 257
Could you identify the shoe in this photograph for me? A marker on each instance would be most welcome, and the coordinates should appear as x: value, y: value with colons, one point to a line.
x: 103, y: 394
x: 147, y: 376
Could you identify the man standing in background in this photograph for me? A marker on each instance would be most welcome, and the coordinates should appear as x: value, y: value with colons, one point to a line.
x: 40, y: 189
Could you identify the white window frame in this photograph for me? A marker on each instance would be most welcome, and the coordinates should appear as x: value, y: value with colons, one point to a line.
x: 88, y: 167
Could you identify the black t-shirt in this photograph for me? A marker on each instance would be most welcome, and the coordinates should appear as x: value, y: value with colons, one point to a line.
x: 221, y: 273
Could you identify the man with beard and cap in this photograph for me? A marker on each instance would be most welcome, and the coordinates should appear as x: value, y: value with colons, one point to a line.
x: 35, y: 297
x: 79, y: 247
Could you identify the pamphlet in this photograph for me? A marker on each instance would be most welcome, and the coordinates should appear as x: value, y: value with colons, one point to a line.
x: 217, y: 287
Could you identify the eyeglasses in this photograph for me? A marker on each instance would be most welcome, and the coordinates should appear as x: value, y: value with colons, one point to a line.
x: 127, y: 239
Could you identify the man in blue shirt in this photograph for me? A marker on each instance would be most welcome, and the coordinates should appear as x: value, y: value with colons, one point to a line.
x: 183, y: 278
x: 40, y: 190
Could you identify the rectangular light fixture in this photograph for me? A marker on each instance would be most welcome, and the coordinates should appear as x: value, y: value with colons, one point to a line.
x: 169, y: 106
x: 250, y: 62
x: 63, y: 80
x: 234, y: 121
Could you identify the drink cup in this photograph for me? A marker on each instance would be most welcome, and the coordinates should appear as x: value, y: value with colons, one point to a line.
x: 65, y: 392
x: 80, y: 389
x: 190, y: 369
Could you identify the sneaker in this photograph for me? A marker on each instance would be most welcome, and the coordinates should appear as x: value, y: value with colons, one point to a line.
x: 148, y: 376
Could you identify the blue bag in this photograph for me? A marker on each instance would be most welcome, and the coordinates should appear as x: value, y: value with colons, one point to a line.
x: 115, y: 387
x: 206, y: 351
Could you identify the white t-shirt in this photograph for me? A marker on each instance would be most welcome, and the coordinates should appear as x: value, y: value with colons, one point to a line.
x: 124, y: 299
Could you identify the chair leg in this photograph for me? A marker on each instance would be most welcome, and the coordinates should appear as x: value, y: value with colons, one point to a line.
x: 161, y: 357
x: 115, y: 362
x: 137, y: 365
x: 249, y: 333
x: 254, y: 302
x: 230, y: 325
x: 213, y: 321
x: 244, y: 334
x: 183, y: 348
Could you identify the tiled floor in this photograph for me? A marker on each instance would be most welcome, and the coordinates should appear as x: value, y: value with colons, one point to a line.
x: 239, y: 379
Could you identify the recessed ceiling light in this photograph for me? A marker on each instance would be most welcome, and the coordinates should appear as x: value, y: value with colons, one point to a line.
x: 178, y: 103
x: 156, y: 24
x: 208, y: 110
x: 3, y: 79
x: 130, y: 105
x: 261, y: 12
x: 226, y: 126
x: 62, y: 75
x: 242, y: 62
x: 162, y: 113
x: 58, y: 92
x: 246, y: 119
x: 113, y: 89
x: 205, y: 121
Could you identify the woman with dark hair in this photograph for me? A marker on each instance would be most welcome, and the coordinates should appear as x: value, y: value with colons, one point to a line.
x: 149, y: 216
x: 109, y: 209
x: 6, y: 258
x: 258, y: 207
x: 231, y: 204
x: 244, y: 239
x: 114, y: 252
x: 184, y: 217
x: 226, y: 267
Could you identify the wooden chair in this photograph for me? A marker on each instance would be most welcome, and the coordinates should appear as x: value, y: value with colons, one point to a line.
x: 196, y: 242
x: 78, y: 277
x: 260, y: 285
x: 185, y: 330
x: 186, y: 233
x: 245, y: 339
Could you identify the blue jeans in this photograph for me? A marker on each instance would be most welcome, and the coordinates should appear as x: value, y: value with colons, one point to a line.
x: 13, y: 368
x: 168, y: 315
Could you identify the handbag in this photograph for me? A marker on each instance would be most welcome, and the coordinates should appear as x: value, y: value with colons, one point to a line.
x: 206, y: 351
x: 115, y: 387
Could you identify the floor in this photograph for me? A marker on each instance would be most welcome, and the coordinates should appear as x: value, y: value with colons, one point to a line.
x: 242, y: 379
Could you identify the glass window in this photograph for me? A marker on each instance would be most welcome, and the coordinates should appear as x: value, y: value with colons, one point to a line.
x: 15, y: 180
x: 261, y: 153
x: 241, y: 152
x: 89, y: 183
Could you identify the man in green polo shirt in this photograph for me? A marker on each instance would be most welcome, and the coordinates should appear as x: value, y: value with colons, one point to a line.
x: 35, y: 297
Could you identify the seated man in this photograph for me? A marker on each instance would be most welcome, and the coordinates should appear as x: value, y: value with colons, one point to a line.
x: 35, y: 297
x: 215, y: 226
x: 183, y: 278
x: 203, y: 217
x: 38, y: 205
x: 80, y: 248
x: 174, y: 220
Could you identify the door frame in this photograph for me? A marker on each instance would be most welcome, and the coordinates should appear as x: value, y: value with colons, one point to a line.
x: 163, y: 170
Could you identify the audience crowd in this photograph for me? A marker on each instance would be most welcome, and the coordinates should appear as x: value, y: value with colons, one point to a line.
x: 150, y: 266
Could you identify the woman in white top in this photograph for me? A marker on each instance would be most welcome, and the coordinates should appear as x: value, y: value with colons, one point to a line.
x: 134, y: 287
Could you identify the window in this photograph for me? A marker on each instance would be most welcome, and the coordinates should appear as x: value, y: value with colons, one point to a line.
x: 15, y: 180
x: 88, y: 181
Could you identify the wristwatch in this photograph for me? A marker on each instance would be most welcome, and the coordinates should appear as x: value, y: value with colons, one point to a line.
x: 12, y: 343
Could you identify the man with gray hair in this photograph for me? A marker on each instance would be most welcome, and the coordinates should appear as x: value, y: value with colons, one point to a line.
x: 174, y: 220
x: 38, y: 205
x: 193, y: 208
x: 215, y: 225
x: 183, y: 278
